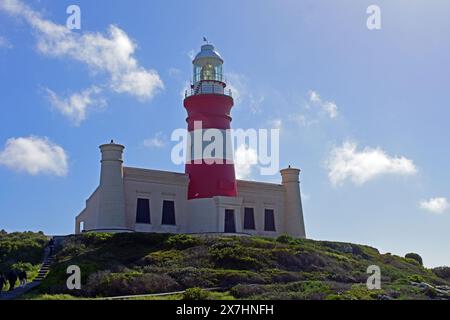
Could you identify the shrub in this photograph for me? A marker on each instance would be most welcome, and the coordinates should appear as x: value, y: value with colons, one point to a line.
x: 293, y: 261
x: 229, y: 278
x: 234, y: 257
x: 415, y: 256
x: 163, y: 258
x: 73, y: 249
x: 192, y: 277
x: 310, y: 290
x: 195, y: 294
x: 105, y: 283
x: 277, y: 275
x: 356, y: 292
x: 246, y: 291
x: 26, y: 247
x: 182, y: 241
x: 415, y: 278
x: 92, y: 238
x: 153, y: 283
x: 285, y: 238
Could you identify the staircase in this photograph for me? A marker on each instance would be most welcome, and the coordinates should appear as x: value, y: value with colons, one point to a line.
x: 45, y: 268
x: 43, y: 271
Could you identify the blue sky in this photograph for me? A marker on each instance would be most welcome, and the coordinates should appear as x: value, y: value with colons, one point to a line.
x: 363, y: 113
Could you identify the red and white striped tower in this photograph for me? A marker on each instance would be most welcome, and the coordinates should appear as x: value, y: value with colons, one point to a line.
x: 209, y: 104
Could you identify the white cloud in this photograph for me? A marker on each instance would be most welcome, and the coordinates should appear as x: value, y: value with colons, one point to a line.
x: 435, y: 205
x: 347, y: 163
x: 329, y: 107
x: 34, y: 155
x: 112, y: 54
x: 75, y: 106
x: 245, y: 158
x: 314, y: 110
x: 314, y: 97
x: 4, y: 43
x: 302, y: 120
x: 157, y: 141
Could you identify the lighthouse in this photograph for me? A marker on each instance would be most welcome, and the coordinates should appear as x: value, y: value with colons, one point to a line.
x: 205, y: 199
x: 208, y: 105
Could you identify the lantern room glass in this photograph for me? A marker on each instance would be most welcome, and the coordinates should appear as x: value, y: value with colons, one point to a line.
x: 208, y: 72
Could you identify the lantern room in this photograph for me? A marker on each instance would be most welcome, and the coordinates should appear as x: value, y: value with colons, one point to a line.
x: 208, y: 72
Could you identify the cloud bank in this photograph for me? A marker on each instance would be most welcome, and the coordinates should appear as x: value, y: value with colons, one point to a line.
x: 34, y: 155
x: 348, y: 163
x: 435, y: 205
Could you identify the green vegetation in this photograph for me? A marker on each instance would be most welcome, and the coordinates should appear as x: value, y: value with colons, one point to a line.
x: 195, y: 294
x: 414, y: 256
x: 21, y: 247
x: 21, y: 251
x: 244, y: 267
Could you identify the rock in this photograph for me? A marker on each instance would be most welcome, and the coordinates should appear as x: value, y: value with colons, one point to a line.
x: 433, y: 291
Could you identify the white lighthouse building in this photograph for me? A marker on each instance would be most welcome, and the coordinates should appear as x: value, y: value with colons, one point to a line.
x: 207, y: 198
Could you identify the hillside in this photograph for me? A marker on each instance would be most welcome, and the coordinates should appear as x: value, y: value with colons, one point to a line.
x: 245, y: 267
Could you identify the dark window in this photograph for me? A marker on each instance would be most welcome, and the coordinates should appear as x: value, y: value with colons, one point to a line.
x: 249, y: 219
x: 269, y: 220
x: 168, y: 214
x: 143, y: 211
x: 230, y: 226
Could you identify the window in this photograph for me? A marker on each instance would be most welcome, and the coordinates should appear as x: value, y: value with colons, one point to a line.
x: 168, y: 214
x: 208, y: 72
x: 269, y: 220
x: 249, y: 219
x: 143, y: 211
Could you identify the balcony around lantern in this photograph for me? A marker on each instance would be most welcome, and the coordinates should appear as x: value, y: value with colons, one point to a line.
x: 208, y: 87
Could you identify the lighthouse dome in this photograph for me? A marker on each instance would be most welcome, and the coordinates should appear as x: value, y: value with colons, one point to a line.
x: 208, y: 53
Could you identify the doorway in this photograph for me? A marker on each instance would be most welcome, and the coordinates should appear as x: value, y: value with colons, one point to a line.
x: 230, y: 226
